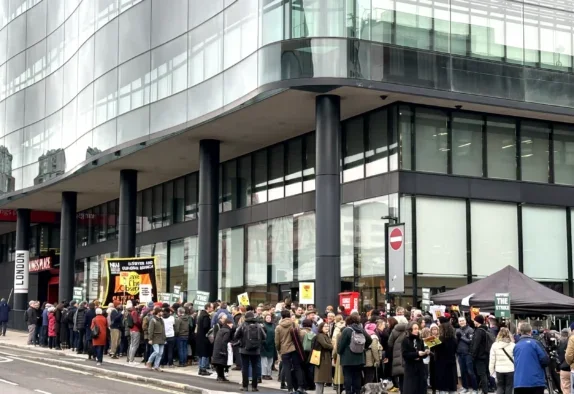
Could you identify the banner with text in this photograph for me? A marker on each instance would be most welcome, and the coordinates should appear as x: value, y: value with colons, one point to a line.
x: 125, y: 275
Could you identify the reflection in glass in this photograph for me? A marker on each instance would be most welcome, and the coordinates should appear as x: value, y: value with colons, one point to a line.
x: 106, y: 97
x: 354, y: 149
x: 231, y: 260
x: 35, y: 103
x: 87, y: 20
x: 276, y: 160
x: 69, y: 123
x: 71, y: 30
x: 317, y: 18
x: 501, y: 148
x: 133, y: 125
x: 281, y: 249
x: 369, y: 245
x: 467, y: 144
x: 229, y: 185
x: 104, y: 137
x: 377, y: 151
x: 33, y: 143
x: 168, y: 22
x: 294, y: 171
x: 240, y: 34
x: 16, y: 36
x: 70, y: 79
x: 259, y: 194
x: 244, y: 181
x: 106, y: 10
x: 534, y: 155
x: 240, y: 79
x: 563, y: 155
x: 347, y: 243
x: 36, y: 62
x: 55, y: 49
x: 205, y: 97
x: 191, y: 196
x: 16, y: 73
x: 86, y: 110
x: 168, y: 112
x: 169, y: 69
x: 201, y: 11
x: 15, y: 111
x: 86, y: 62
x: 309, y: 163
x: 431, y: 140
x: 271, y: 14
x: 256, y: 262
x: 304, y: 249
x: 106, y: 50
x: 134, y: 83
x: 135, y: 30
x: 206, y: 50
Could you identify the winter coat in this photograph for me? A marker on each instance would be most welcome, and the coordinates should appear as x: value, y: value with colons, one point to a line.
x: 90, y: 316
x: 414, y: 370
x: 181, y: 326
x: 156, y: 331
x: 45, y: 317
x: 80, y: 319
x: 445, y: 372
x: 283, y: 341
x: 530, y: 359
x: 569, y: 356
x: 70, y: 316
x: 224, y: 335
x: 323, y: 372
x: 464, y: 337
x: 241, y: 336
x: 58, y: 316
x: 216, y: 315
x: 396, y: 338
x: 561, y: 353
x: 478, y: 344
x: 204, y: 347
x: 52, y: 332
x: 102, y: 324
x: 115, y: 319
x: 268, y: 348
x: 499, y: 361
x: 338, y: 376
x: 31, y: 316
x: 145, y: 325
x: 349, y: 358
x: 4, y: 312
x: 373, y: 353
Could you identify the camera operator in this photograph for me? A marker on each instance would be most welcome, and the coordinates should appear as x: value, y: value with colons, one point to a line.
x: 563, y: 366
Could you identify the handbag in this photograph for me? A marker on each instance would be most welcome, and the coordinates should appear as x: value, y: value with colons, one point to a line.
x: 315, y: 358
x: 510, y: 358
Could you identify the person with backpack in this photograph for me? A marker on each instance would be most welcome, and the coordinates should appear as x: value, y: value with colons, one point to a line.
x: 307, y: 336
x: 98, y: 333
x: 351, y: 348
x: 251, y: 337
x: 480, y: 351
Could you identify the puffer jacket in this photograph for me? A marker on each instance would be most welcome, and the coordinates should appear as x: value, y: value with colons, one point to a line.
x: 80, y: 319
x: 373, y: 353
x: 396, y: 338
x: 500, y: 362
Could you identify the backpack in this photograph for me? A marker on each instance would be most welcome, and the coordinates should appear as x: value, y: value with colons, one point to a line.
x: 252, y: 337
x: 358, y: 340
x: 95, y: 331
x: 130, y: 320
x: 489, y: 340
x: 308, y: 341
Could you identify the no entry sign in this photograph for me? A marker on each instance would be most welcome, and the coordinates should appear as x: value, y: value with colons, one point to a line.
x: 396, y: 238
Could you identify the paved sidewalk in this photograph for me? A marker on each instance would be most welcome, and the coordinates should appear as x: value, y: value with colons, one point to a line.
x: 18, y: 339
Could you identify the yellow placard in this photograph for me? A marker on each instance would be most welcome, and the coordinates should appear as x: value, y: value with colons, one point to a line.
x: 243, y: 299
x: 306, y: 293
x: 431, y: 341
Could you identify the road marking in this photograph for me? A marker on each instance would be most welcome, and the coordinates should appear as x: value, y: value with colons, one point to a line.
x: 8, y: 382
x: 42, y: 391
x: 139, y: 384
x: 5, y: 359
x: 46, y: 364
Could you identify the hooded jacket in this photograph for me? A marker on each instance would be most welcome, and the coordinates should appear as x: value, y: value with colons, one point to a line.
x: 283, y: 341
x: 499, y: 361
x: 396, y: 343
x: 530, y: 359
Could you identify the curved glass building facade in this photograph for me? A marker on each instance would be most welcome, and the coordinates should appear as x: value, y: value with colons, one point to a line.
x: 79, y: 77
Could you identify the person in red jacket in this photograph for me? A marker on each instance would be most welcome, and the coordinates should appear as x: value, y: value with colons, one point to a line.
x: 52, y: 334
x: 99, y: 341
x: 135, y: 326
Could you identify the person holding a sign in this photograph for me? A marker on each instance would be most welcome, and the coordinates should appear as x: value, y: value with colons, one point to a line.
x: 413, y: 351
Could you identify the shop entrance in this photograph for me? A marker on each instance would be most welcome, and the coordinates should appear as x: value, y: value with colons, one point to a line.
x: 289, y: 290
x: 53, y: 290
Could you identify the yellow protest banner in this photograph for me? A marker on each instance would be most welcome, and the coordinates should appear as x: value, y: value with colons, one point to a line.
x: 243, y: 299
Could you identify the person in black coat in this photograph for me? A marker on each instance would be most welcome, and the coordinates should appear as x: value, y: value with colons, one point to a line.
x: 413, y: 349
x: 204, y: 347
x: 220, y: 353
x: 446, y: 377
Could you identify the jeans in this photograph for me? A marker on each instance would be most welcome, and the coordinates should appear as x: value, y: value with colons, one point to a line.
x: 352, y: 378
x: 37, y: 335
x: 4, y: 326
x: 266, y: 366
x: 155, y: 357
x: 505, y: 383
x: 115, y: 340
x: 31, y: 332
x: 467, y: 371
x: 182, y: 350
x: 148, y: 351
x: 80, y: 338
x: 482, y: 373
x: 258, y: 366
x: 44, y: 336
x: 167, y: 358
x: 124, y: 343
x: 73, y: 335
x: 292, y: 362
x: 99, y: 350
x: 203, y: 362
x: 247, y: 361
x: 134, y: 345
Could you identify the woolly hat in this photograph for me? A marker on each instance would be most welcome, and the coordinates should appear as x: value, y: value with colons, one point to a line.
x: 370, y: 328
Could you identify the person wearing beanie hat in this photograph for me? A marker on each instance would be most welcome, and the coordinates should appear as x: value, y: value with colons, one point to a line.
x: 150, y: 304
x: 480, y: 352
x: 372, y: 355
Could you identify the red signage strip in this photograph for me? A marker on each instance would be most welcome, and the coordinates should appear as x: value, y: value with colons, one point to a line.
x: 39, y: 265
x: 9, y: 215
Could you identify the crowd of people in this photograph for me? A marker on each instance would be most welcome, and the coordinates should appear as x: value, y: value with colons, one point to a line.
x: 307, y: 350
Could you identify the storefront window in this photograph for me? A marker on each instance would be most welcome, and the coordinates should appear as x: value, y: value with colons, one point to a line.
x: 441, y: 236
x: 467, y: 144
x: 501, y: 148
x: 231, y: 263
x: 534, y: 155
x: 259, y: 177
x: 347, y: 242
x: 179, y: 200
x: 160, y: 251
x: 183, y: 265
x: 146, y: 209
x: 281, y: 252
x: 304, y: 228
x: 157, y: 214
x: 545, y: 244
x: 256, y: 264
x: 229, y: 184
x: 495, y: 225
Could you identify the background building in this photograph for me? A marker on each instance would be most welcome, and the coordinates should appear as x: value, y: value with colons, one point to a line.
x: 456, y: 116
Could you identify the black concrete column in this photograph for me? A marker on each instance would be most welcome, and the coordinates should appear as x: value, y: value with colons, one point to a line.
x: 127, y: 214
x: 22, y: 257
x: 208, y: 221
x: 328, y: 202
x: 67, y: 245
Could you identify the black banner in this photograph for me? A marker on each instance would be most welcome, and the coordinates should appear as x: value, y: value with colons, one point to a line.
x: 125, y: 276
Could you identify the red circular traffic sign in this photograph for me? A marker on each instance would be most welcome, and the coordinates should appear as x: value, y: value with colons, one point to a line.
x: 396, y: 239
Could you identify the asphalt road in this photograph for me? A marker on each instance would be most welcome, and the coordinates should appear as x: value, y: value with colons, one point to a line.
x: 30, y: 371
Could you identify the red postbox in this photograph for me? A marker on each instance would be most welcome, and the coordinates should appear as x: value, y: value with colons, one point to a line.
x: 350, y: 300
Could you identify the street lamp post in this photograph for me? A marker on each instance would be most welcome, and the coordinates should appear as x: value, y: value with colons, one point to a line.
x: 394, y: 220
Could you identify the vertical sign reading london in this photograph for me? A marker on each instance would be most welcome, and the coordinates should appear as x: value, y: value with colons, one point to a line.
x: 502, y: 305
x: 21, y: 271
x: 125, y: 275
